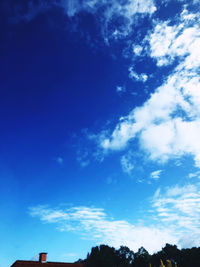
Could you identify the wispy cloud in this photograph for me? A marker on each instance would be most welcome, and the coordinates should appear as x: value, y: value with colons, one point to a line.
x: 174, y: 214
x: 156, y: 174
x: 167, y: 125
x: 106, y: 12
x: 179, y: 206
x: 95, y: 224
x: 127, y: 163
x: 194, y: 174
x: 113, y: 11
x: 142, y: 77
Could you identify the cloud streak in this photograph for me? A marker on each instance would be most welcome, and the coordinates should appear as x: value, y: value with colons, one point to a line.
x: 180, y: 206
x: 174, y: 215
x: 156, y: 174
x: 93, y: 223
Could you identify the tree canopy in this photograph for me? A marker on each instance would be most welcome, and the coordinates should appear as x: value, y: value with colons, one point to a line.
x: 169, y: 256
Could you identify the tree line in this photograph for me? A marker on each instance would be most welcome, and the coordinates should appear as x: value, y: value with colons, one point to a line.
x: 169, y: 256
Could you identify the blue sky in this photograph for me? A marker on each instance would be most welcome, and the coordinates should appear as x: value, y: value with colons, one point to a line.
x: 100, y: 128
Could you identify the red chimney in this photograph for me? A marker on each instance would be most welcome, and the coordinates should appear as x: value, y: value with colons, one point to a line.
x: 43, y: 257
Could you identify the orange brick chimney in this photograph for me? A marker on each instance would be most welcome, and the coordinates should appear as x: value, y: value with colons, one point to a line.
x: 43, y: 257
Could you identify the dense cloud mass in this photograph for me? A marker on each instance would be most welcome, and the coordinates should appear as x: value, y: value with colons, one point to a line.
x: 167, y: 125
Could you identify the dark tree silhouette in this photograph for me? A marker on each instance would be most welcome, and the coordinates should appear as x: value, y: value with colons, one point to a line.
x: 125, y: 256
x: 142, y: 258
x: 105, y: 256
x: 102, y: 256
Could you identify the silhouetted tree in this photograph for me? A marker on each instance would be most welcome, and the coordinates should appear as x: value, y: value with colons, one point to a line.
x: 105, y: 256
x: 189, y: 257
x: 142, y: 258
x: 171, y: 252
x: 102, y: 256
x: 125, y: 256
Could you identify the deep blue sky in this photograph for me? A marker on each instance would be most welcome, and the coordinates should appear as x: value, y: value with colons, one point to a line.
x: 99, y: 113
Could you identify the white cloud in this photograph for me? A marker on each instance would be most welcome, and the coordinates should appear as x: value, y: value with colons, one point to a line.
x: 123, y: 132
x: 95, y: 224
x: 174, y: 217
x: 194, y: 174
x: 127, y: 163
x: 168, y: 124
x: 156, y: 174
x: 138, y: 77
x: 178, y: 41
x: 161, y: 42
x: 137, y: 49
x: 157, y: 193
x: 48, y: 214
x: 180, y: 206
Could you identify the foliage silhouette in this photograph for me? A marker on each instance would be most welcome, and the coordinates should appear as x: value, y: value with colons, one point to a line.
x: 169, y: 256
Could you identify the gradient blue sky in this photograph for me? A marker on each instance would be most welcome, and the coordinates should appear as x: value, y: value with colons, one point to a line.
x: 100, y: 126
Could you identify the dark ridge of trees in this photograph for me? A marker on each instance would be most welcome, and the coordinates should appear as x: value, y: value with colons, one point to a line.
x: 169, y: 256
